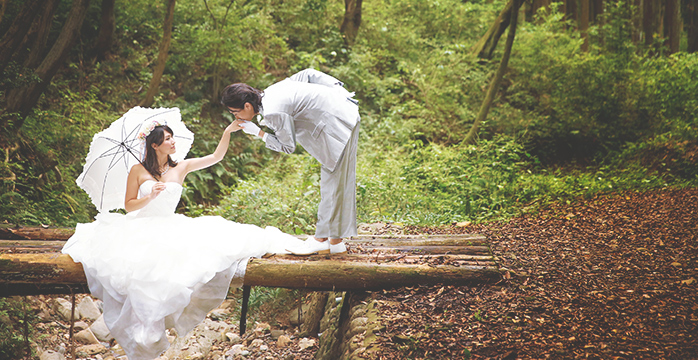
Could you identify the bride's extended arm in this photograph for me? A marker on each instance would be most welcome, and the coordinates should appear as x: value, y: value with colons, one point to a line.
x: 221, y: 150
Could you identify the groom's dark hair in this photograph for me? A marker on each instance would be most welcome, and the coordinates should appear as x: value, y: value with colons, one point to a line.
x: 236, y: 95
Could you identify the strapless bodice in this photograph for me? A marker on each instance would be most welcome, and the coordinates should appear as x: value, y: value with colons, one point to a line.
x: 165, y: 203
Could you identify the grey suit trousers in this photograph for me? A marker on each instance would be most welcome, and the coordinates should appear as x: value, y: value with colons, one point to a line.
x: 336, y: 214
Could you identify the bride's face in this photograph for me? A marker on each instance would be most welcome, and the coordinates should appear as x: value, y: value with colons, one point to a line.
x: 167, y: 146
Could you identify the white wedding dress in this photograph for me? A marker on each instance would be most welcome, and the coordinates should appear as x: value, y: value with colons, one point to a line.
x: 155, y: 269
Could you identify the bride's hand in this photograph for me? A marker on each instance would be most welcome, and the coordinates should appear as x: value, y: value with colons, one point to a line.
x: 157, y: 189
x: 235, y: 126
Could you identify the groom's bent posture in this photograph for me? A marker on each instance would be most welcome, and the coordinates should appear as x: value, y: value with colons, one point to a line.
x: 314, y: 110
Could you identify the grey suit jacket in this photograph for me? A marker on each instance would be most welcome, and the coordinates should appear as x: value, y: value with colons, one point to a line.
x: 312, y: 109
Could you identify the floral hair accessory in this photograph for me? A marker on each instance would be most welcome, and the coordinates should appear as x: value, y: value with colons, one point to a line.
x: 148, y: 129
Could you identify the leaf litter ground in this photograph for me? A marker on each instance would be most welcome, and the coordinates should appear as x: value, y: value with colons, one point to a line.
x: 611, y: 277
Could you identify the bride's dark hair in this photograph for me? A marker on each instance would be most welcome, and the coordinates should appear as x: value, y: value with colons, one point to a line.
x: 157, y: 136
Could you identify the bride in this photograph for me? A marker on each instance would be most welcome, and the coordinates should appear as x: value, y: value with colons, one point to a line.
x: 154, y: 269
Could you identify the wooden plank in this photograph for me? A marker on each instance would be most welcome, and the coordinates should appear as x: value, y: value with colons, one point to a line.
x: 36, y: 233
x: 57, y: 245
x: 455, y: 250
x: 51, y: 273
x: 40, y: 233
x: 419, y: 240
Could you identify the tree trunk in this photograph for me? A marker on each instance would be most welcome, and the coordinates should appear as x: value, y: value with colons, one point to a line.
x: 42, y: 30
x: 484, y: 48
x: 15, y: 34
x: 652, y: 15
x: 22, y: 100
x: 25, y: 274
x: 691, y: 19
x: 597, y: 10
x: 162, y: 56
x: 672, y: 26
x: 352, y: 20
x: 584, y: 23
x: 310, y: 323
x: 106, y: 30
x: 3, y: 7
x: 494, y: 85
x: 571, y: 10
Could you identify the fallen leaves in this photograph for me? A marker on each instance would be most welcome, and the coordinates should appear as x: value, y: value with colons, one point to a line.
x: 610, y: 277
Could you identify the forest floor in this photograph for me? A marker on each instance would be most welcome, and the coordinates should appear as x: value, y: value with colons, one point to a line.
x: 609, y: 277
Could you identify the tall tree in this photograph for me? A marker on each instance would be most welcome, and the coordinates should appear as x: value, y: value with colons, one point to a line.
x: 162, y: 55
x: 22, y: 100
x: 672, y: 25
x: 41, y: 29
x: 494, y: 84
x: 218, y: 26
x: 3, y: 7
x: 352, y: 20
x: 584, y: 23
x: 597, y: 10
x: 690, y: 11
x: 15, y: 34
x: 485, y: 47
x: 651, y: 20
x: 105, y: 37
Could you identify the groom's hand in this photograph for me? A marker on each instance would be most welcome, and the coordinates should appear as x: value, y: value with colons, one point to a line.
x: 250, y: 128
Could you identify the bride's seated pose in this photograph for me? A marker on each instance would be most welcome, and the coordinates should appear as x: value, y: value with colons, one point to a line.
x: 155, y: 269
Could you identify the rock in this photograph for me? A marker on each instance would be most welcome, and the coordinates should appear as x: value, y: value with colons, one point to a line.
x: 276, y: 333
x: 261, y: 329
x: 263, y: 347
x: 86, y: 337
x: 51, y: 355
x: 237, y: 349
x: 219, y: 314
x: 359, y: 322
x: 295, y: 318
x: 233, y: 338
x: 100, y: 330
x: 305, y: 343
x: 118, y: 350
x: 91, y: 349
x: 80, y: 325
x: 63, y: 308
x: 257, y: 343
x: 88, y: 309
x: 228, y: 304
x: 216, y: 355
x: 283, y: 341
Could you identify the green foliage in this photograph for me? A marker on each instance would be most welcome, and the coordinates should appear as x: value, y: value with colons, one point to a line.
x: 285, y: 195
x: 616, y: 117
x: 14, y: 319
x: 585, y: 105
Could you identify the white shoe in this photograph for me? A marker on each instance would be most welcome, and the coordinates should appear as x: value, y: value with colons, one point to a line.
x: 338, y: 249
x: 312, y: 246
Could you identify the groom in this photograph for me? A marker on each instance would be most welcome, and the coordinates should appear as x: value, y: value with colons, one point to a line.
x: 314, y: 110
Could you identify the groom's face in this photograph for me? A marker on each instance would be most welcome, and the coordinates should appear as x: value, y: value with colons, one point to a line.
x: 246, y: 113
